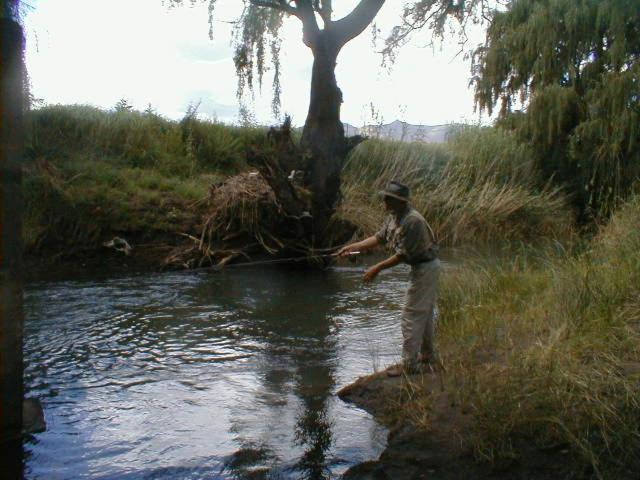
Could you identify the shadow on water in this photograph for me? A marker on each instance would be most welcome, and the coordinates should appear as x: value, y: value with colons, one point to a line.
x: 310, y: 348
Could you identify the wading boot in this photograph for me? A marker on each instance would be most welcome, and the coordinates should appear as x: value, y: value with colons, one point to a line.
x: 403, y: 368
x: 394, y: 371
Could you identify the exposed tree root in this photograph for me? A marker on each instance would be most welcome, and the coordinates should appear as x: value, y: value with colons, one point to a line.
x: 264, y: 213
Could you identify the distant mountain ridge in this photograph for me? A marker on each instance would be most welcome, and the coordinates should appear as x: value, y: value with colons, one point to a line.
x: 403, y: 131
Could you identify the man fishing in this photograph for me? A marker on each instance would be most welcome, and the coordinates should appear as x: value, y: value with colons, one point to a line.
x: 411, y: 240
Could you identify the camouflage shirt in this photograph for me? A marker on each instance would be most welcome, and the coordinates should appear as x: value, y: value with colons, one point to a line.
x: 410, y: 237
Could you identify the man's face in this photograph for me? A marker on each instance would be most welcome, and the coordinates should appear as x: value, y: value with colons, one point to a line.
x: 394, y: 206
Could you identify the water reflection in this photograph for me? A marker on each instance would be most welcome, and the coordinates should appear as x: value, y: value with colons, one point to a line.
x: 316, y: 382
x: 201, y: 376
x: 309, y: 348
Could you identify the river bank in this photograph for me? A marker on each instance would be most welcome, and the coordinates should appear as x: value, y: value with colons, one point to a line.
x: 542, y: 369
x: 92, y: 175
x: 445, y: 451
x: 64, y: 263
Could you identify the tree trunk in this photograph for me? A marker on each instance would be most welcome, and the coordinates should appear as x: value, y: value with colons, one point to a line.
x: 11, y: 121
x: 323, y: 133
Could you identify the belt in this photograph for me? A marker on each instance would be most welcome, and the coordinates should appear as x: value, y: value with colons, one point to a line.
x: 421, y: 261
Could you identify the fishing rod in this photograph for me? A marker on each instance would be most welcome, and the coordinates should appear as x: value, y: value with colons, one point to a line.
x: 217, y: 268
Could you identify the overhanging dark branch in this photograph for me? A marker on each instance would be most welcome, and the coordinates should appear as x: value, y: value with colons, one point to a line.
x: 281, y: 5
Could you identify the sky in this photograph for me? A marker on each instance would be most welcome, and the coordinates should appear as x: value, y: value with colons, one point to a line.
x: 97, y: 52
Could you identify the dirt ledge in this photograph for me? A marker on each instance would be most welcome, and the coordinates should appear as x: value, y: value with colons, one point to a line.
x: 62, y: 263
x: 442, y: 450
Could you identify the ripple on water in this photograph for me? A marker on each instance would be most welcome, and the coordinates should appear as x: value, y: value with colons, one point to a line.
x: 194, y: 375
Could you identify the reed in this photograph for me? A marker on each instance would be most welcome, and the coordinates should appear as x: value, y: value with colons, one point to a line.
x: 480, y: 186
x: 542, y: 348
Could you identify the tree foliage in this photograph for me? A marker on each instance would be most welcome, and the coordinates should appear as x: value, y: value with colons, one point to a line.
x: 9, y: 9
x: 564, y: 74
x: 572, y: 65
x: 256, y: 40
x: 440, y: 18
x: 255, y: 35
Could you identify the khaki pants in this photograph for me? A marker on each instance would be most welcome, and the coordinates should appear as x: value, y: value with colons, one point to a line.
x: 418, y: 322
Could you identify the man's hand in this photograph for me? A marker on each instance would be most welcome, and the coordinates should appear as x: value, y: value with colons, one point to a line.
x: 361, y: 246
x: 371, y: 274
x: 346, y: 250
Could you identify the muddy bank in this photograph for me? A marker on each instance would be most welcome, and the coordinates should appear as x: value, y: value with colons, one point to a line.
x: 241, y: 220
x: 59, y: 263
x: 439, y: 447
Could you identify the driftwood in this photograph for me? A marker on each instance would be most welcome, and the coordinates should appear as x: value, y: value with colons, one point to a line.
x: 277, y: 178
x: 258, y: 214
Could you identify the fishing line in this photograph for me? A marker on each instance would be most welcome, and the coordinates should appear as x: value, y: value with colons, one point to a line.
x: 282, y: 260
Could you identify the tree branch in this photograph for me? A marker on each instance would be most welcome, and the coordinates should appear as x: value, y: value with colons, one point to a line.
x: 281, y: 5
x: 325, y: 11
x: 349, y: 27
x: 310, y: 29
x: 435, y: 15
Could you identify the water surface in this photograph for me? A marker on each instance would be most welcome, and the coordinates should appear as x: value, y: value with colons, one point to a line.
x: 207, y: 375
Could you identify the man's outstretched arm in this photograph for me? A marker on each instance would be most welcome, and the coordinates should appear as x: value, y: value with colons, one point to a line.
x: 362, y: 245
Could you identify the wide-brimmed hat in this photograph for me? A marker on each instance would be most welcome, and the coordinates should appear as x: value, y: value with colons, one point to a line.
x: 396, y: 190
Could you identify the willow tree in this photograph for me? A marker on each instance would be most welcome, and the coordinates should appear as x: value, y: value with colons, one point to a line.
x: 565, y: 75
x: 256, y: 36
x: 574, y: 65
x: 439, y: 18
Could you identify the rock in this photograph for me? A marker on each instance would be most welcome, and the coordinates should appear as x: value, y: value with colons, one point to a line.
x: 33, y: 416
x: 366, y: 471
x: 250, y: 463
x: 119, y: 244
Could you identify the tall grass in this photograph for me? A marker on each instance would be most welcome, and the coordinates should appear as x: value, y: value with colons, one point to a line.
x: 543, y: 349
x: 480, y: 186
x: 91, y: 173
x: 139, y: 139
x: 372, y: 164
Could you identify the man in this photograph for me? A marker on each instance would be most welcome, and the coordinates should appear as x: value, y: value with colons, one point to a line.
x: 411, y: 240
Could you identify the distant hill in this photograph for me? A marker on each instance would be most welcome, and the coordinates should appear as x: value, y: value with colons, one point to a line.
x: 403, y: 131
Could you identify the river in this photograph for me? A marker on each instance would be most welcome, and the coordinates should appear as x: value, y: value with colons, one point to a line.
x: 225, y: 375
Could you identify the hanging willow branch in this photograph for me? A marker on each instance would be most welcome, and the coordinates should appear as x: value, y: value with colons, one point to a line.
x: 256, y: 40
x: 573, y: 68
x: 438, y: 17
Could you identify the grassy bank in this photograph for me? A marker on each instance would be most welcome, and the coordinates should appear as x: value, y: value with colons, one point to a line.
x: 91, y: 174
x: 544, y: 349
